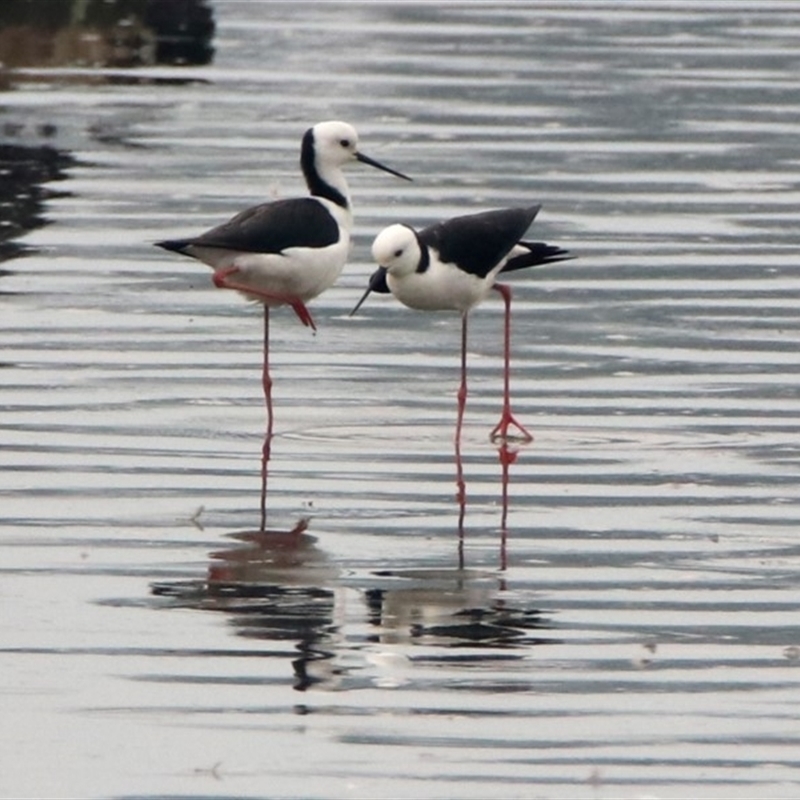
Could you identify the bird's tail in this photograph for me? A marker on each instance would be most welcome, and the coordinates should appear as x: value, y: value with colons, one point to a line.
x: 175, y: 245
x: 536, y: 254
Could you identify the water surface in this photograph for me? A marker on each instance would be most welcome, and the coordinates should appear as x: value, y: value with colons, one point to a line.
x: 642, y: 639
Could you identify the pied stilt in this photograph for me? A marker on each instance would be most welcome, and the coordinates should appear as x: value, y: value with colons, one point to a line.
x: 288, y: 251
x: 453, y: 266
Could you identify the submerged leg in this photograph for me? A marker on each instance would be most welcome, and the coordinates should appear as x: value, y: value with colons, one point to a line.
x: 500, y: 431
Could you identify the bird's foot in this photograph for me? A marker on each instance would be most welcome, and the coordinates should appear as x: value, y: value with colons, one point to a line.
x: 500, y: 433
x: 222, y: 280
x: 303, y: 314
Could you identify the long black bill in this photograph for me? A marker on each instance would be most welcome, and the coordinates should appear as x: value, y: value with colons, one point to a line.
x: 373, y: 163
x: 377, y: 283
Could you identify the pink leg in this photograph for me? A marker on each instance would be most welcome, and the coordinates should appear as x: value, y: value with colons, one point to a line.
x: 221, y: 281
x: 500, y: 431
x: 461, y: 493
x: 462, y: 400
x: 266, y: 382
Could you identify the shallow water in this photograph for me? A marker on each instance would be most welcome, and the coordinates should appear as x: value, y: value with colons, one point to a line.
x: 643, y: 637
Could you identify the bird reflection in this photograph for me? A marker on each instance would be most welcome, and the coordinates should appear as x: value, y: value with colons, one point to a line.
x: 275, y: 586
x: 449, y: 607
x: 264, y: 552
x: 279, y: 586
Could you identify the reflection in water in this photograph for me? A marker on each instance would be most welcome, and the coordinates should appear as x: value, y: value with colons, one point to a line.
x: 24, y: 170
x: 95, y: 33
x: 461, y: 489
x: 507, y: 457
x: 279, y: 586
x: 105, y: 33
x: 266, y: 450
x: 507, y: 454
x: 448, y: 607
x: 183, y: 31
x: 274, y: 586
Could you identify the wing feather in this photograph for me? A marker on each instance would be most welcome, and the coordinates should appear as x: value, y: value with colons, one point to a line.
x: 268, y: 228
x: 478, y: 242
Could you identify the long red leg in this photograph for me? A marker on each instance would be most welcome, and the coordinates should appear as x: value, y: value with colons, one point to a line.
x: 266, y: 382
x: 500, y: 431
x: 222, y: 280
x: 461, y: 494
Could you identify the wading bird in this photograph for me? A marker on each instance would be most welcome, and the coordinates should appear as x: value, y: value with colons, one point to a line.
x: 453, y: 265
x: 288, y: 251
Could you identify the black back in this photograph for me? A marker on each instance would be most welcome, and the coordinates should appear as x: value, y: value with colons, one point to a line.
x: 269, y: 228
x: 478, y: 242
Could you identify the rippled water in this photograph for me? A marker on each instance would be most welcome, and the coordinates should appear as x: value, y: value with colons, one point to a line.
x: 643, y: 638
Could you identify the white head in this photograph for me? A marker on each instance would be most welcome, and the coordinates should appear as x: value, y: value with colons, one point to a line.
x: 335, y: 143
x: 331, y: 145
x: 397, y: 250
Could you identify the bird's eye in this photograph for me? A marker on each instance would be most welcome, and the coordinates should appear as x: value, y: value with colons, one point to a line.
x: 398, y: 253
x: 344, y: 142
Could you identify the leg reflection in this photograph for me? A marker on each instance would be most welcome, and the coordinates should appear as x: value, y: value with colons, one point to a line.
x: 266, y: 381
x: 461, y: 497
x: 507, y: 457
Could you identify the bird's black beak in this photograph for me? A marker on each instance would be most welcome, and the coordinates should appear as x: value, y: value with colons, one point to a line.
x: 377, y: 283
x: 373, y: 163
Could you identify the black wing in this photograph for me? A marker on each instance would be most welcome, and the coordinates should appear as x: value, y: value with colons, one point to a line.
x: 269, y: 228
x: 478, y: 242
x: 538, y: 253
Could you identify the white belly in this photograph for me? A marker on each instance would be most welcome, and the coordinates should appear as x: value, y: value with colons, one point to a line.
x: 300, y: 273
x: 440, y: 288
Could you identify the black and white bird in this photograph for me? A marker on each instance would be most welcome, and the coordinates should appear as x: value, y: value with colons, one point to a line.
x: 289, y: 251
x: 453, y: 265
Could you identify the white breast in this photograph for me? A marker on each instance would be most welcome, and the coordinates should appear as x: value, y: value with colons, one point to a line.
x: 441, y: 287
